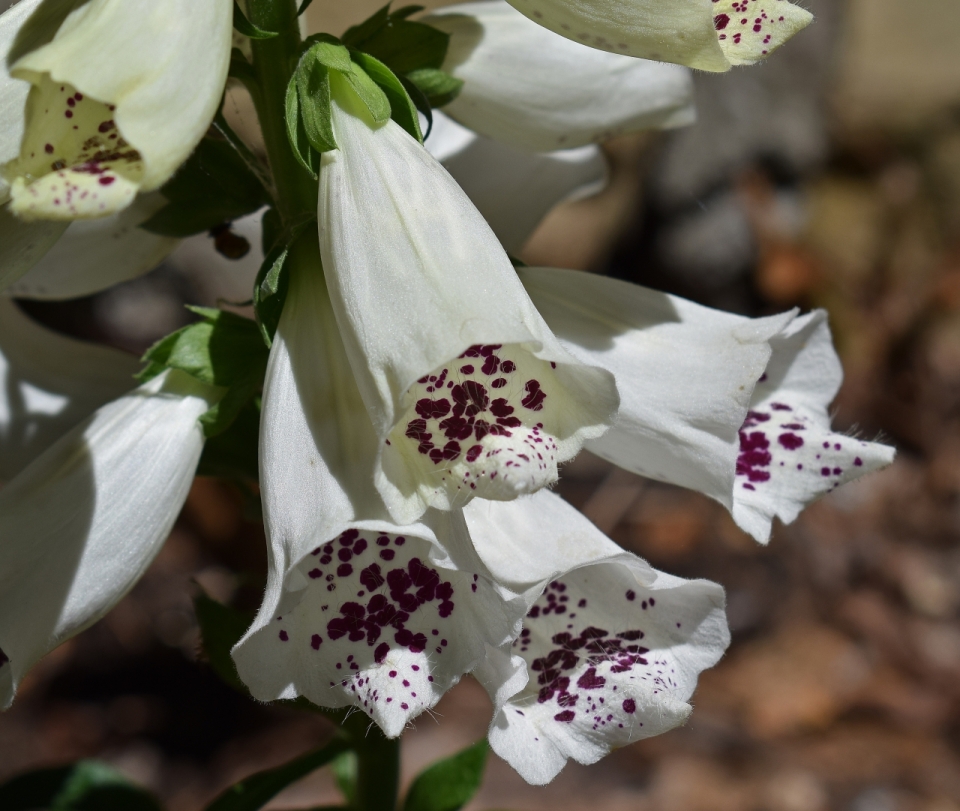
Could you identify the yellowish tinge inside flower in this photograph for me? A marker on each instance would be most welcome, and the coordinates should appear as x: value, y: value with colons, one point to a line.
x: 482, y: 425
x: 749, y: 30
x: 73, y: 163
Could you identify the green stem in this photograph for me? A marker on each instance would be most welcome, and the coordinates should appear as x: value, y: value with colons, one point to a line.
x: 378, y: 765
x: 274, y: 60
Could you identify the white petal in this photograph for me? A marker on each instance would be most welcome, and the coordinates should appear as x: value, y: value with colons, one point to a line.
x: 788, y: 455
x: 689, y: 32
x: 446, y: 312
x: 93, y: 255
x: 358, y: 610
x: 49, y: 383
x: 512, y: 188
x: 531, y: 89
x: 612, y: 648
x: 685, y: 373
x: 120, y: 97
x: 81, y: 524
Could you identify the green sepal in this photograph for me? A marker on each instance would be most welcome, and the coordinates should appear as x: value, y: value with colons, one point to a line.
x: 87, y: 785
x: 305, y: 154
x: 247, y: 28
x: 373, y: 98
x: 448, y: 784
x: 420, y: 101
x: 234, y: 455
x: 345, y: 773
x: 257, y: 790
x: 220, y: 417
x: 313, y: 92
x: 402, y: 108
x: 221, y: 627
x: 438, y: 86
x: 270, y: 292
x: 329, y: 51
x: 214, y: 186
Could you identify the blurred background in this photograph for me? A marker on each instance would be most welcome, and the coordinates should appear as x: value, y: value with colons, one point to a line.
x: 827, y: 177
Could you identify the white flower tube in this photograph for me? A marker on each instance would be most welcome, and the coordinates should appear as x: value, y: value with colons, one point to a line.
x: 610, y: 650
x: 531, y: 89
x: 93, y: 255
x: 358, y: 610
x: 468, y: 390
x: 48, y: 383
x: 21, y: 244
x: 788, y: 456
x: 692, y: 412
x: 513, y: 188
x: 704, y: 34
x: 80, y: 525
x: 120, y: 97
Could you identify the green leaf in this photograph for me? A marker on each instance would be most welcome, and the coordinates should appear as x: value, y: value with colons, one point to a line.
x: 330, y: 52
x: 363, y: 31
x: 221, y: 627
x: 404, y: 45
x: 448, y: 784
x: 305, y: 154
x: 420, y: 101
x: 438, y: 86
x: 270, y: 292
x: 271, y: 226
x: 214, y: 186
x: 345, y: 772
x: 247, y: 28
x: 373, y: 98
x: 313, y: 91
x: 86, y: 785
x: 258, y: 789
x: 220, y: 417
x: 402, y: 108
x: 241, y: 69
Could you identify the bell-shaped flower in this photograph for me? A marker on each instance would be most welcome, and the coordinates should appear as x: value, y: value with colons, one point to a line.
x: 532, y: 89
x: 82, y: 522
x: 48, y: 383
x: 119, y: 97
x: 788, y: 455
x: 358, y: 610
x: 469, y: 391
x: 692, y: 412
x: 513, y: 188
x: 610, y: 650
x: 93, y: 255
x: 705, y: 34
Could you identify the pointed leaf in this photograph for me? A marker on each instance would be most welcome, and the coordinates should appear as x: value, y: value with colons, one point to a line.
x: 313, y: 90
x: 296, y: 131
x: 406, y: 45
x: 258, y: 789
x: 345, y: 772
x: 439, y: 87
x: 402, y: 108
x: 86, y: 785
x: 373, y: 98
x: 247, y: 28
x: 363, y: 31
x: 449, y: 784
x: 270, y: 292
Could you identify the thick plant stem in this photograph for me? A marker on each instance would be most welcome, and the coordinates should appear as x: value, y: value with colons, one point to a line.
x: 378, y: 768
x: 274, y: 60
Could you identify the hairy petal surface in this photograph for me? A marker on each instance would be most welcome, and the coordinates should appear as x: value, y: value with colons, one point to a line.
x: 93, y: 255
x: 358, y: 610
x: 81, y: 524
x: 611, y: 648
x: 120, y: 97
x: 685, y: 373
x: 533, y: 90
x: 514, y: 189
x: 457, y: 369
x: 49, y: 383
x: 788, y: 455
x: 684, y: 31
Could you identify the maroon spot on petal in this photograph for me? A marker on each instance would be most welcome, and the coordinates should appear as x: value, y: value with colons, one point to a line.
x: 106, y: 180
x: 858, y: 462
x: 315, y: 641
x: 790, y: 441
x: 631, y: 595
x: 534, y: 396
x: 344, y: 570
x: 474, y: 453
x: 433, y: 409
x: 721, y: 21
x: 48, y: 148
x: 381, y: 653
x: 629, y: 706
x: 283, y: 636
x: 565, y: 717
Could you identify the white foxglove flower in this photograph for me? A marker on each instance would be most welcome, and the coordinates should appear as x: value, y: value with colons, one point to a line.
x: 692, y: 412
x: 704, y: 34
x: 80, y: 525
x: 120, y: 97
x: 468, y: 390
x: 21, y: 244
x: 531, y: 89
x: 513, y: 188
x: 93, y: 255
x: 788, y: 455
x: 358, y: 610
x: 48, y: 383
x: 610, y: 650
